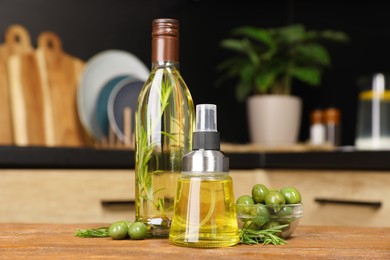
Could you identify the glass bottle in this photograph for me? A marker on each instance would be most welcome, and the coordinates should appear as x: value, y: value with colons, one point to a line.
x: 332, y: 118
x: 373, y: 121
x: 205, y: 213
x: 164, y: 126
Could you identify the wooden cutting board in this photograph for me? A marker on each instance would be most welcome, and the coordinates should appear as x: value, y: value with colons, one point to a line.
x: 27, y: 99
x: 17, y: 41
x: 60, y: 73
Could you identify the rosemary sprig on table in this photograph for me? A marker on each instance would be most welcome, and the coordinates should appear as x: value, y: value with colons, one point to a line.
x: 247, y: 236
x: 94, y: 232
x: 266, y: 236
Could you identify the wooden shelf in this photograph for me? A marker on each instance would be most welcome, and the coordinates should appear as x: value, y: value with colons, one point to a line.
x: 65, y: 158
x: 91, y: 158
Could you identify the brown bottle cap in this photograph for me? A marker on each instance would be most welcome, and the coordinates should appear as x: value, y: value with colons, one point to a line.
x: 317, y: 117
x: 165, y: 27
x: 165, y: 40
x: 332, y: 115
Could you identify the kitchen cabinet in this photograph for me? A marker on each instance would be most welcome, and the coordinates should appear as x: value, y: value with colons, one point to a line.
x: 97, y: 196
x: 70, y: 185
x: 341, y: 198
x: 66, y: 196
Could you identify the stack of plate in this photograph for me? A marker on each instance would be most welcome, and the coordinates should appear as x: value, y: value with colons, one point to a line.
x: 107, y: 94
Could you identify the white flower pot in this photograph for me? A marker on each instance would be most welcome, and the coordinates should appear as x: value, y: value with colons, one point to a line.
x: 274, y: 120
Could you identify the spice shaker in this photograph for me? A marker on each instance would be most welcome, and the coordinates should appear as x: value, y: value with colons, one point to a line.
x: 317, y: 128
x: 332, y: 126
x: 204, y: 209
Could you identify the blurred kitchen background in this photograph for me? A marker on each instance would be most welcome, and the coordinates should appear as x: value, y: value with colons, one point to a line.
x: 76, y: 185
x: 90, y: 26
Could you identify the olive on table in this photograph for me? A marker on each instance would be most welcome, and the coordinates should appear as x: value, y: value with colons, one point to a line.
x: 137, y: 231
x: 128, y: 223
x: 118, y: 230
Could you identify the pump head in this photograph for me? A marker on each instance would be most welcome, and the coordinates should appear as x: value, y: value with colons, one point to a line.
x: 206, y: 135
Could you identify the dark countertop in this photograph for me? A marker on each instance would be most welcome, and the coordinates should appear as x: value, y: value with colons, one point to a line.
x: 13, y: 157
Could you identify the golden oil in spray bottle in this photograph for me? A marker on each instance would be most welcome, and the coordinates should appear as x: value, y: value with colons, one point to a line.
x: 205, y: 214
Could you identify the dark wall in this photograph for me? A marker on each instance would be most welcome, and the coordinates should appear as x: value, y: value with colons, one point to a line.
x: 90, y: 26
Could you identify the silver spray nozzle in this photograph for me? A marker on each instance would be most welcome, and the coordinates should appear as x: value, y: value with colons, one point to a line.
x: 206, y: 118
x: 206, y: 155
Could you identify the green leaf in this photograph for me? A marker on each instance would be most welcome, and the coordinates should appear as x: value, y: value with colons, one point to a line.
x: 233, y: 44
x: 291, y: 34
x: 314, y: 53
x: 94, y: 232
x: 232, y: 64
x: 245, y: 85
x: 169, y: 135
x: 265, y: 236
x: 264, y: 80
x: 293, y: 52
x: 312, y: 36
x: 230, y: 68
x: 258, y: 34
x: 336, y: 36
x: 243, y: 90
x: 309, y: 75
x: 247, y: 73
x: 242, y: 46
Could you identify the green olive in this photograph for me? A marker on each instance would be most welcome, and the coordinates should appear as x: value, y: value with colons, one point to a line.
x: 137, y: 231
x: 285, y: 211
x: 249, y: 224
x: 260, y: 214
x: 128, y: 223
x: 118, y: 230
x: 242, y: 203
x: 258, y: 193
x: 274, y: 198
x: 270, y: 224
x: 291, y: 195
x: 259, y: 210
x: 245, y: 199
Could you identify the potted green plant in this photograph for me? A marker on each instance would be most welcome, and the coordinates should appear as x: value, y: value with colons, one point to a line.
x: 266, y: 63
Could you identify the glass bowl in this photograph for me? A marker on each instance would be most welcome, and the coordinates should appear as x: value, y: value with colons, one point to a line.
x: 259, y: 216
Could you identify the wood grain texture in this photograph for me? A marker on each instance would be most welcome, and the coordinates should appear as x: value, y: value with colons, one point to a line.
x: 58, y: 241
x: 81, y: 191
x: 27, y: 100
x: 343, y: 185
x: 65, y: 196
x: 17, y: 41
x: 60, y: 74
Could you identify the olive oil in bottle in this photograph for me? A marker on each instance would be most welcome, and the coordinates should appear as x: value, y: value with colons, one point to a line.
x: 205, y: 214
x: 164, y: 126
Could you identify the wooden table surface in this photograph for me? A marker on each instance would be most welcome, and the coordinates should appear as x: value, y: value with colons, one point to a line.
x: 58, y: 241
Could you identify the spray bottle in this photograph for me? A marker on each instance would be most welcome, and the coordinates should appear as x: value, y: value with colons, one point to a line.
x: 205, y: 213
